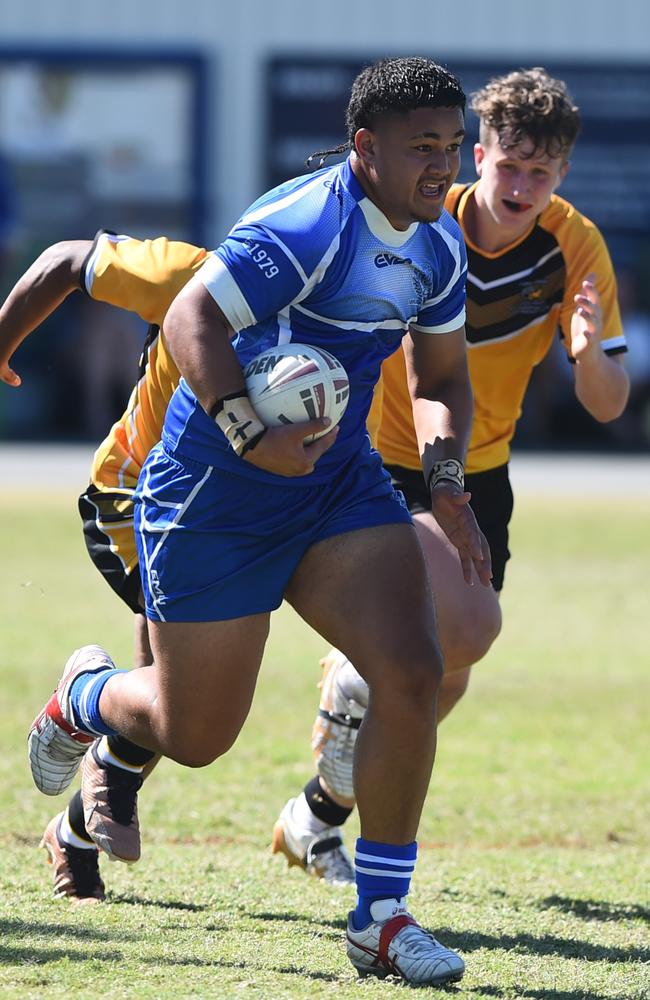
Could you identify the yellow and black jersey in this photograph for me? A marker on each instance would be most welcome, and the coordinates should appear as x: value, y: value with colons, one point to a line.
x: 517, y: 300
x: 144, y: 277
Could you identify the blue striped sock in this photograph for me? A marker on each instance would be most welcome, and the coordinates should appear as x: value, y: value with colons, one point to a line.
x: 84, y: 695
x: 383, y: 871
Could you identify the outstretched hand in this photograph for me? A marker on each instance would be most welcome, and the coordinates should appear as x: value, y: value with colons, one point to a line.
x: 451, y: 510
x: 587, y: 321
x: 285, y: 451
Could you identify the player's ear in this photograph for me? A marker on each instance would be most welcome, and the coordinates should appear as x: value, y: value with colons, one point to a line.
x: 563, y: 171
x: 479, y: 154
x: 364, y: 144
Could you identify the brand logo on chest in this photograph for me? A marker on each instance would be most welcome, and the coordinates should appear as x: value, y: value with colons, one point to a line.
x: 390, y: 259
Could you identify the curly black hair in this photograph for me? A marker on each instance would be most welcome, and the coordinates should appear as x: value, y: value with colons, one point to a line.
x: 528, y: 104
x: 393, y: 86
x: 396, y: 86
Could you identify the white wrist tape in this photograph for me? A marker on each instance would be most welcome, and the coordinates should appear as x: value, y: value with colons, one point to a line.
x: 235, y: 416
x: 448, y: 469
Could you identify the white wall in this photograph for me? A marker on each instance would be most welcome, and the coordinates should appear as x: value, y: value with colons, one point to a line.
x: 237, y: 36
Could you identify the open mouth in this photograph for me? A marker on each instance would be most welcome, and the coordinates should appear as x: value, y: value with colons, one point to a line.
x: 517, y: 206
x: 433, y: 191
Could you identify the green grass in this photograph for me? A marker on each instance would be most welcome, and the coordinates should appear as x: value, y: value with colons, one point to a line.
x: 534, y: 842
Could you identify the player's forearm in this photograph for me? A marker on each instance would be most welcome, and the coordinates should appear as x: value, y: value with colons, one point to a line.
x: 42, y: 288
x: 443, y: 419
x: 198, y: 336
x: 602, y: 386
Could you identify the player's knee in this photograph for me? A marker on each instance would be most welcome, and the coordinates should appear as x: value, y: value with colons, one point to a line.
x: 423, y: 680
x: 194, y: 757
x: 468, y: 639
x: 414, y: 676
x: 193, y: 746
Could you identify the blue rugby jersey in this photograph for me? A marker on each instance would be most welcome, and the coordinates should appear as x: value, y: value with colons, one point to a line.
x: 314, y: 261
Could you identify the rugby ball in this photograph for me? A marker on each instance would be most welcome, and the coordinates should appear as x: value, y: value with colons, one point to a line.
x: 291, y: 383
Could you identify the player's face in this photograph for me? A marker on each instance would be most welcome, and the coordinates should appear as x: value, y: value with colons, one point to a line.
x: 515, y: 185
x: 408, y: 162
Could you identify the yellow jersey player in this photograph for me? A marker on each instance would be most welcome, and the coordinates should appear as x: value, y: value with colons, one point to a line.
x: 536, y: 267
x: 143, y: 277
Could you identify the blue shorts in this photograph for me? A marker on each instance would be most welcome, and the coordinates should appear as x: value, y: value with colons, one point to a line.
x: 213, y: 547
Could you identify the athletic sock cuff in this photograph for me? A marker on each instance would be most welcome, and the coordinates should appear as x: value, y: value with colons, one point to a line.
x: 85, y: 693
x: 384, y: 871
x: 130, y: 753
x: 76, y: 817
x: 323, y: 805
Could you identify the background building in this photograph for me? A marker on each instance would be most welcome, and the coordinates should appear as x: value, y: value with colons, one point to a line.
x: 157, y: 116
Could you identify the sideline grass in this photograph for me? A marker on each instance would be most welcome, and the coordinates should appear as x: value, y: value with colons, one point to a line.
x: 534, y: 859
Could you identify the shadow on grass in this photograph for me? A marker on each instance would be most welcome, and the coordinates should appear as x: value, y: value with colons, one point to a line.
x: 544, y: 945
x: 596, y: 909
x: 494, y: 991
x: 340, y: 924
x: 160, y: 904
x: 217, y: 963
x: 31, y: 955
x: 26, y: 928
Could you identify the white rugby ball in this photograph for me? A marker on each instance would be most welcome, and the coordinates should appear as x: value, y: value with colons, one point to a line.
x: 291, y: 383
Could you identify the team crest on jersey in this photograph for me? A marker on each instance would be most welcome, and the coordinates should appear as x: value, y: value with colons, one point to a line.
x: 421, y: 287
x: 533, y: 299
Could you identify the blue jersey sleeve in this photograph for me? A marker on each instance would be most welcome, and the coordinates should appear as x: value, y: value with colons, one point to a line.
x: 444, y: 310
x: 251, y: 277
x: 274, y: 255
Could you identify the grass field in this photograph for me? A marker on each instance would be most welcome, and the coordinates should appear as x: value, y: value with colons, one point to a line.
x: 534, y: 843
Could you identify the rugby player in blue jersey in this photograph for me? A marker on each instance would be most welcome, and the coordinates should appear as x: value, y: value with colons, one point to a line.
x: 233, y: 516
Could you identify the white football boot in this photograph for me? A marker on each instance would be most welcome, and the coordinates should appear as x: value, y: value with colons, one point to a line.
x: 56, y: 746
x: 321, y: 855
x: 393, y: 943
x: 343, y: 702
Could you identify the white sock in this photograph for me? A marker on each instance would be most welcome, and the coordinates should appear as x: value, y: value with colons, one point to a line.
x: 107, y: 757
x: 304, y: 817
x: 69, y: 837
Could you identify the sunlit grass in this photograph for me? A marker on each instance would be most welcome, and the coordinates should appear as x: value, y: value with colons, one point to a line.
x: 534, y: 859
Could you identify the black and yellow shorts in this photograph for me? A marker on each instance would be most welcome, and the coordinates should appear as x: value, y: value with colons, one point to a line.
x: 107, y: 517
x: 492, y: 503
